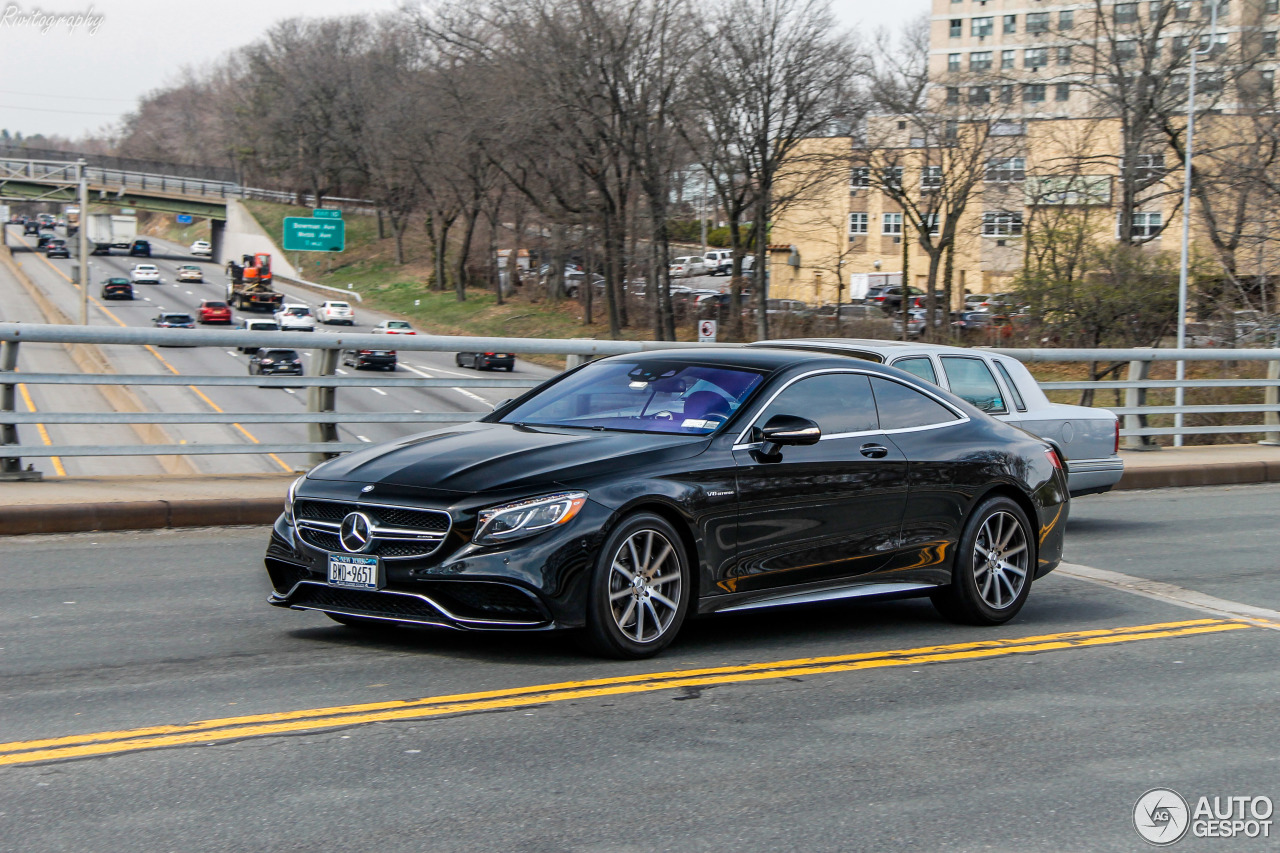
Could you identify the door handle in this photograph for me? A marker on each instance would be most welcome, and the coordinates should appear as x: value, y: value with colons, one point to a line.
x: 874, y: 451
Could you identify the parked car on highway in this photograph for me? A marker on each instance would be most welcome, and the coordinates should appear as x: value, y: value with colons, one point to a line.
x: 202, y: 248
x: 621, y: 498
x: 214, y: 311
x: 1087, y: 439
x: 689, y: 265
x: 145, y: 274
x: 271, y: 361
x: 140, y: 249
x: 295, y: 317
x: 173, y: 320
x: 337, y: 313
x: 362, y: 358
x: 56, y: 249
x: 486, y: 360
x: 393, y: 327
x: 117, y: 288
x: 253, y: 325
x: 190, y: 272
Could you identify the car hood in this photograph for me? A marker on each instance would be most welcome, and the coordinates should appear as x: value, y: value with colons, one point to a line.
x: 491, y: 457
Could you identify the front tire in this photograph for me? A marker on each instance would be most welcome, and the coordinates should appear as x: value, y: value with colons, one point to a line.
x: 995, y: 564
x: 640, y: 590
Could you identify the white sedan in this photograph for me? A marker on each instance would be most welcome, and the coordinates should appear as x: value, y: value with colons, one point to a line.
x: 145, y: 273
x: 295, y: 317
x: 337, y: 312
x: 393, y: 327
x: 202, y: 247
x: 688, y: 266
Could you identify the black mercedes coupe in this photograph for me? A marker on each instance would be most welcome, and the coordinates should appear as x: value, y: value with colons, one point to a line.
x: 623, y: 497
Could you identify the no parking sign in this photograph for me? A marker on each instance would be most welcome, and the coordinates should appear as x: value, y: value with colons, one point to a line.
x: 706, y: 331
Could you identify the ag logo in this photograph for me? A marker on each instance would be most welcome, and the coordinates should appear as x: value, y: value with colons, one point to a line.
x: 1161, y: 816
x: 355, y: 533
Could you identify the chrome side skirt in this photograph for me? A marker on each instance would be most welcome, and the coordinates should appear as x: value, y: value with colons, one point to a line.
x: 813, y: 596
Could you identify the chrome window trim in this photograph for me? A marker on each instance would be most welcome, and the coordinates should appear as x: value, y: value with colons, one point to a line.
x: 961, y: 417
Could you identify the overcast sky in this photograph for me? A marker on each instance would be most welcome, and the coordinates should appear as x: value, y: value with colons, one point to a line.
x: 77, y: 76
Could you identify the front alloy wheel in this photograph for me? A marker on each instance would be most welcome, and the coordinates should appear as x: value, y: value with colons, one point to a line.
x: 639, y: 594
x: 995, y: 564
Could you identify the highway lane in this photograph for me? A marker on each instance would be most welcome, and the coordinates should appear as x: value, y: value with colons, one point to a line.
x: 949, y: 748
x: 53, y: 278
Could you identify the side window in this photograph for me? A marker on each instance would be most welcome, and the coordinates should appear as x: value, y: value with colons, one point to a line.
x: 836, y: 402
x: 901, y: 407
x: 971, y: 380
x: 918, y: 366
x: 1013, y: 387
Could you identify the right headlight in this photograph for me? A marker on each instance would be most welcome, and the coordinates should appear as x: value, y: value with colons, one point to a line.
x: 519, y: 519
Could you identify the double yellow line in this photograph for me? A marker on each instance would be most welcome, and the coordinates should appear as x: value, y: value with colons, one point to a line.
x: 289, y: 722
x: 205, y: 397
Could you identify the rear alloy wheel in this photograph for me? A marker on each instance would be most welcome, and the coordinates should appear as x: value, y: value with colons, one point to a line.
x: 640, y: 591
x: 995, y: 564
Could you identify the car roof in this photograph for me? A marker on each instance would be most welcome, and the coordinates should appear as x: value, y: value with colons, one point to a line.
x: 755, y: 356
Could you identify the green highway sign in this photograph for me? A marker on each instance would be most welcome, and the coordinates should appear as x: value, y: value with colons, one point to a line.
x: 326, y: 213
x: 308, y: 234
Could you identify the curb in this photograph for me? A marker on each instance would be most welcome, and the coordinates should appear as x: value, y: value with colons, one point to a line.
x: 1208, y: 474
x: 136, y: 515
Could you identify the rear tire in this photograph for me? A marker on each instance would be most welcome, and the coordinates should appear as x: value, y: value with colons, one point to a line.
x: 640, y: 590
x: 995, y: 564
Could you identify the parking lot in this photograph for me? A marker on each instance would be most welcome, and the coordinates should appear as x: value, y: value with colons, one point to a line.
x: 868, y: 726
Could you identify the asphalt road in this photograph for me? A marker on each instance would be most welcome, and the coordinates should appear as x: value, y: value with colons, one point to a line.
x: 1014, y: 746
x: 53, y: 278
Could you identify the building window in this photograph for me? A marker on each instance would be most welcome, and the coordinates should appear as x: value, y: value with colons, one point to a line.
x: 891, y: 177
x: 1182, y: 10
x: 1006, y: 93
x: 1066, y: 19
x: 1035, y: 57
x: 891, y: 224
x: 953, y: 62
x: 980, y: 60
x: 1271, y: 7
x: 1002, y: 223
x: 983, y: 27
x: 1181, y: 44
x: 1206, y: 9
x: 860, y: 177
x: 1146, y: 167
x: 857, y: 224
x: 1062, y: 92
x: 929, y: 222
x: 1216, y: 44
x: 1004, y: 169
x: 1269, y: 43
x: 1126, y: 13
x: 1126, y: 50
x: 1268, y: 79
x: 979, y: 95
x: 953, y: 94
x: 1064, y: 55
x: 1146, y: 225
x: 931, y: 178
x: 1037, y: 22
x: 1033, y: 93
x: 1006, y: 59
x: 957, y: 28
x: 1010, y: 24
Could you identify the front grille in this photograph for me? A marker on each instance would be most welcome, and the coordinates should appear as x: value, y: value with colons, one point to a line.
x: 320, y: 510
x: 391, y: 549
x: 371, y: 603
x: 426, y: 520
x: 389, y: 542
x: 481, y: 600
x: 321, y: 539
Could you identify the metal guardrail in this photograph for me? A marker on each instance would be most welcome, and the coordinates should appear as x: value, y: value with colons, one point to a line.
x: 322, y: 419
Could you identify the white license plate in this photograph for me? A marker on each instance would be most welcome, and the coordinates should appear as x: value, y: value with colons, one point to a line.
x: 353, y: 572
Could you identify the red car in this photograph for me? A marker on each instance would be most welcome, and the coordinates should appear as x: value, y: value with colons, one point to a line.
x: 214, y: 311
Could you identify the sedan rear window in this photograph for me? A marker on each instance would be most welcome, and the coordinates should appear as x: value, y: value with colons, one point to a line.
x: 919, y: 366
x: 651, y: 396
x: 210, y: 304
x: 971, y: 380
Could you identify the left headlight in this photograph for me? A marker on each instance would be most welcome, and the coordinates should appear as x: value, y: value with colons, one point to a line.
x: 288, y: 501
x: 525, y: 518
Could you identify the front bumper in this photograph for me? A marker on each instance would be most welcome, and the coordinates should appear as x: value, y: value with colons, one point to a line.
x: 535, y: 584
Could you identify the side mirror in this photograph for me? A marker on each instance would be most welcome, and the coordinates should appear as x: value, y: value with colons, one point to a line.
x: 786, y: 430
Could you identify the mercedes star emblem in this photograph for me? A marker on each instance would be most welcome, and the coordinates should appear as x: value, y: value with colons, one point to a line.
x: 355, y: 532
x: 367, y: 489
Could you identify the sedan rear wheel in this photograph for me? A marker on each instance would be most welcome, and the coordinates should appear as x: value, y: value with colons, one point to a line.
x: 640, y: 590
x: 995, y: 564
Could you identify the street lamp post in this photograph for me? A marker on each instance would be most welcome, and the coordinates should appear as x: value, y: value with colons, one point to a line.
x: 1180, y: 393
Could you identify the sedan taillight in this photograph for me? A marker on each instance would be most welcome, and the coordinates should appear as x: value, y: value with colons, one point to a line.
x: 1054, y: 459
x: 1117, y: 447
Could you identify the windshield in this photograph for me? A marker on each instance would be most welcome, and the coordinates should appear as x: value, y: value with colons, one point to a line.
x: 666, y: 397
